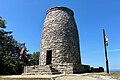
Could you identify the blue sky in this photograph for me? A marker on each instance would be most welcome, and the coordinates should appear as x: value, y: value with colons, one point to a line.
x: 26, y: 17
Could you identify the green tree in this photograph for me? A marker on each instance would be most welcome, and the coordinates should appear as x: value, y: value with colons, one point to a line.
x: 11, y: 62
x: 2, y: 23
x: 33, y: 58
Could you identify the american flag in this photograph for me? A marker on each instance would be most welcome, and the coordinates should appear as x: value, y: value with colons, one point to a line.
x: 21, y: 52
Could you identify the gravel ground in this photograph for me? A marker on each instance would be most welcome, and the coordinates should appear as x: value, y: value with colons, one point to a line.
x: 86, y: 76
x: 90, y: 76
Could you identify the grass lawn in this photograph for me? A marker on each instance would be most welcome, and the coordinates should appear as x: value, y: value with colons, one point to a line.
x: 25, y: 79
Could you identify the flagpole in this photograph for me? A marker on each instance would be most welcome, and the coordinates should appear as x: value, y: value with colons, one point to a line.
x: 107, y: 66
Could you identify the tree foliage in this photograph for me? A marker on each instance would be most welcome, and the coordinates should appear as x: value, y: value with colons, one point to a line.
x: 11, y: 62
x: 2, y: 23
x: 35, y: 58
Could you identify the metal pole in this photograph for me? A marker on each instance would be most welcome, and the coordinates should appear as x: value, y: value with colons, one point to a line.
x: 107, y: 66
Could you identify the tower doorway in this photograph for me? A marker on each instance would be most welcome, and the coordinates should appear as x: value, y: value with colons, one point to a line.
x: 49, y: 57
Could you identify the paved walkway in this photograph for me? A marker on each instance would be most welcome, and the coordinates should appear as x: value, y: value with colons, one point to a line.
x: 86, y: 76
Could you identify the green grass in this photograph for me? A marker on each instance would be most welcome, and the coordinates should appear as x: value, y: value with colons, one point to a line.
x: 25, y: 79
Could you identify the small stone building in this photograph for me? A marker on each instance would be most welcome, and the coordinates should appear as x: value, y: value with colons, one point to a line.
x: 59, y: 50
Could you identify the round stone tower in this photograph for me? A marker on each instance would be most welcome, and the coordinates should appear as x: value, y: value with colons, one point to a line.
x: 60, y: 41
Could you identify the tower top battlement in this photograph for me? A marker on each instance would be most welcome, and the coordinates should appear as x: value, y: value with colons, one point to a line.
x: 62, y: 9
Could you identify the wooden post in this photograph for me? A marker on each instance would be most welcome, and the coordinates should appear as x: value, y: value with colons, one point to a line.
x: 107, y: 66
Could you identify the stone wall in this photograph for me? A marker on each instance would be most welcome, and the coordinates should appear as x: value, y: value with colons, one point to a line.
x: 37, y: 69
x: 68, y: 68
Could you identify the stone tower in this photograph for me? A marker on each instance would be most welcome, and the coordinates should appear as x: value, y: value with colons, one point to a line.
x: 59, y: 52
x: 60, y: 41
